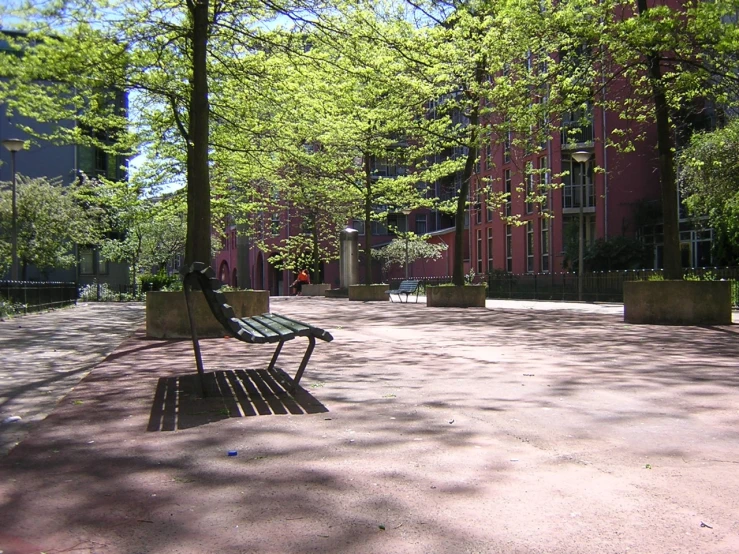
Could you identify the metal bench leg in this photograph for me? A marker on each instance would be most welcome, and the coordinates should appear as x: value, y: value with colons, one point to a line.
x: 304, y: 363
x: 195, y: 343
x: 274, y: 356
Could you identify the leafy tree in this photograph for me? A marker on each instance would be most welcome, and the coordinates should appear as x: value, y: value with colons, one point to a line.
x: 168, y: 52
x: 709, y: 180
x: 673, y: 61
x: 343, y: 110
x: 498, y: 83
x: 50, y: 222
x: 407, y: 249
x: 616, y: 253
x: 144, y: 233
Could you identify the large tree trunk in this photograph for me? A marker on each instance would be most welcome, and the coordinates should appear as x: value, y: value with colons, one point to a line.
x: 197, y: 246
x: 367, y: 220
x: 670, y: 220
x: 464, y: 191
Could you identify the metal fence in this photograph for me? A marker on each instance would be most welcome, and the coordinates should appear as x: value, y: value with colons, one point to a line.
x: 105, y: 292
x: 604, y: 286
x: 32, y: 296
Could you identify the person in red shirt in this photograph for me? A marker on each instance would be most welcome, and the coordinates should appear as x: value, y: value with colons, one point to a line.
x: 303, y: 279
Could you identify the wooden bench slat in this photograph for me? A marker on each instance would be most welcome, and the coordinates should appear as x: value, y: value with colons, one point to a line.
x: 280, y: 331
x: 311, y: 330
x: 250, y: 332
x: 299, y: 328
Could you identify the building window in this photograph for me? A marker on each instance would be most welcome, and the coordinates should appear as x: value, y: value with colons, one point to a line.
x: 490, y: 249
x: 530, y: 186
x: 378, y: 228
x: 479, y: 250
x: 695, y: 247
x: 488, y: 155
x: 103, y: 265
x: 530, y: 246
x: 573, y: 184
x: 101, y: 162
x: 544, y: 245
x: 274, y: 225
x: 509, y: 248
x: 478, y: 208
x: 544, y: 181
x: 507, y: 147
x: 87, y: 261
x: 508, y: 191
x: 421, y: 224
x: 397, y: 222
x: 358, y: 224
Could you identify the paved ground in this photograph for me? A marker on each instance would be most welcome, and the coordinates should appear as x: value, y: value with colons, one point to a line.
x: 45, y: 355
x: 528, y: 430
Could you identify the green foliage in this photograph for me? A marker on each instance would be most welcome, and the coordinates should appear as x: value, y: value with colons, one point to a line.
x: 157, y: 281
x: 144, y: 233
x: 709, y: 181
x: 617, y: 253
x: 9, y: 309
x: 410, y: 248
x: 707, y: 276
x: 50, y: 222
x: 101, y: 292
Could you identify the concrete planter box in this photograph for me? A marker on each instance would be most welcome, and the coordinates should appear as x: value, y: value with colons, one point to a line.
x: 315, y: 290
x: 369, y: 293
x: 166, y: 313
x: 678, y: 302
x: 469, y: 296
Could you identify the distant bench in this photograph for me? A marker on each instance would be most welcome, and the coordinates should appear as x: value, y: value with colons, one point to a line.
x: 266, y: 328
x: 406, y: 287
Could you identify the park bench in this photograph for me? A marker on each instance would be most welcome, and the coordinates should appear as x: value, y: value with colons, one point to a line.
x: 406, y: 287
x: 267, y: 328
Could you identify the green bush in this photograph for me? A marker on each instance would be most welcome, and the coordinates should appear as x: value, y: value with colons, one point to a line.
x: 9, y: 308
x: 158, y: 281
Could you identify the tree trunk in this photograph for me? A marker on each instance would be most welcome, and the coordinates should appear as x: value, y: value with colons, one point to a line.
x: 367, y: 220
x: 197, y: 246
x: 316, y: 262
x: 464, y: 191
x: 670, y: 221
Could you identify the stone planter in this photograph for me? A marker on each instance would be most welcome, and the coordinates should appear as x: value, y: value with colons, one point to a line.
x: 468, y: 296
x: 166, y: 313
x: 369, y: 293
x: 315, y: 290
x: 678, y: 302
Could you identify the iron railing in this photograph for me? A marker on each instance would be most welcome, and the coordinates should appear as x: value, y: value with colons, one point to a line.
x: 603, y: 286
x: 106, y: 292
x: 599, y: 286
x: 33, y: 296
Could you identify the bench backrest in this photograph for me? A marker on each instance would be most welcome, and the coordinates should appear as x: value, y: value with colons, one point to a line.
x: 408, y: 286
x: 202, y: 277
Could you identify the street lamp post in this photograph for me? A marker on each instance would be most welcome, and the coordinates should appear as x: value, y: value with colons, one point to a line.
x: 406, y: 212
x: 406, y: 254
x: 581, y: 157
x: 13, y: 146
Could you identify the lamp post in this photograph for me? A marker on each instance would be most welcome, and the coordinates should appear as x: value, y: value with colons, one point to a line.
x: 581, y: 157
x: 13, y: 146
x: 406, y: 212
